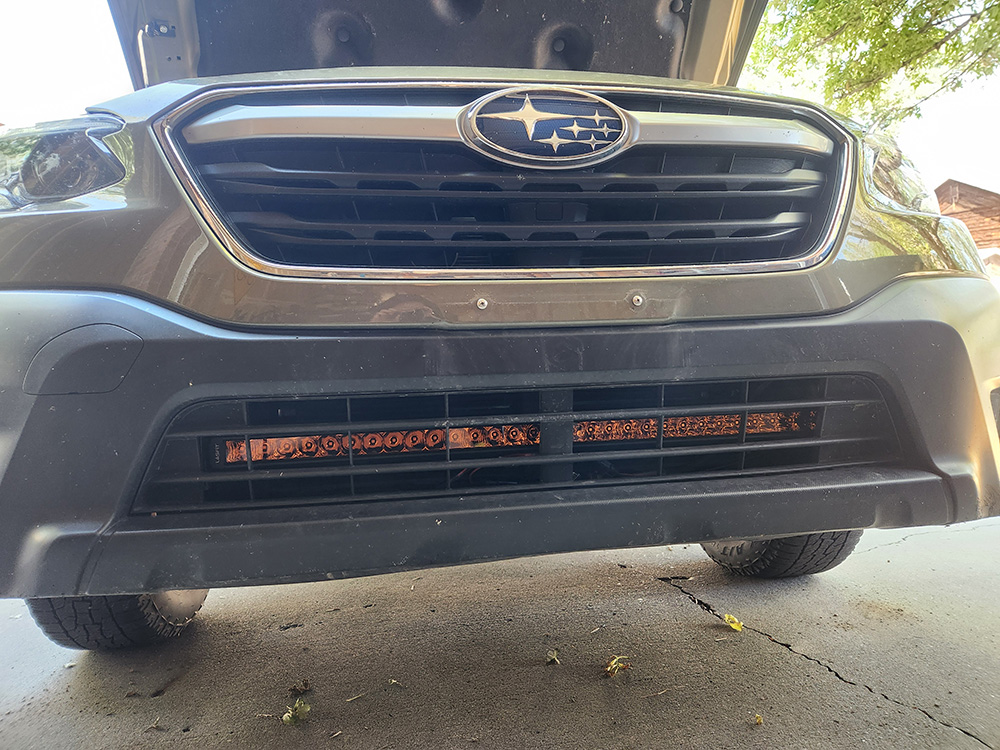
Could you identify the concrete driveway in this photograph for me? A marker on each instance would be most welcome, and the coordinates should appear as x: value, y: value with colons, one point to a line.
x: 899, y: 647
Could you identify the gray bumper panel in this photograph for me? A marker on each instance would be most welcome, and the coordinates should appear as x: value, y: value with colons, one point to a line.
x: 72, y: 459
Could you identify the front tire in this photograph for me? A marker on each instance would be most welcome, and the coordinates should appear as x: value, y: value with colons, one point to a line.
x: 103, y: 623
x: 784, y: 557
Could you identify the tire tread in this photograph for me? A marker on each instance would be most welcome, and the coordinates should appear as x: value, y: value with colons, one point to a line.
x: 101, y: 622
x: 787, y: 557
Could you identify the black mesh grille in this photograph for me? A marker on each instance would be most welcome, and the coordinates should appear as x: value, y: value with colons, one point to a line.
x: 386, y: 204
x: 371, y: 448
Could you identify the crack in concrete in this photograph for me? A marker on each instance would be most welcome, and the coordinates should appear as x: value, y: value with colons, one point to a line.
x: 673, y: 581
x: 893, y: 544
x: 949, y: 529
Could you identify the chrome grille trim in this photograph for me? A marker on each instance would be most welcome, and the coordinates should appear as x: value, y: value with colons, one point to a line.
x: 240, y: 122
x: 165, y: 130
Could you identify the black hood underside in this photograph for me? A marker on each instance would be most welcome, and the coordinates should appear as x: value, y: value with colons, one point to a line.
x: 703, y: 40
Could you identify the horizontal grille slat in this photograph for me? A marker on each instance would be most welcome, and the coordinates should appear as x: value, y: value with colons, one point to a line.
x: 541, y: 417
x: 520, y: 461
x: 347, y: 202
x: 306, y: 499
x: 778, y: 234
x: 516, y: 231
x: 263, y: 189
x: 370, y: 448
x: 516, y: 183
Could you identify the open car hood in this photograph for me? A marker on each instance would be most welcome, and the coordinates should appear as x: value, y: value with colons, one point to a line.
x: 698, y: 40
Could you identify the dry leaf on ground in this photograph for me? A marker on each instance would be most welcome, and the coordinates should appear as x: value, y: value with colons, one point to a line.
x: 300, y: 688
x: 733, y: 623
x: 616, y: 665
x: 296, y: 713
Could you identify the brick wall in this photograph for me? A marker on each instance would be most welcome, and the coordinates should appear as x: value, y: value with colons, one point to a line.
x: 978, y: 208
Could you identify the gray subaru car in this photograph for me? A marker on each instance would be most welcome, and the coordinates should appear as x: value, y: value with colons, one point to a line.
x: 340, y: 290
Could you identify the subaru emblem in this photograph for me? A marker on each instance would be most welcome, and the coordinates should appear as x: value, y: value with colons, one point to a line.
x: 547, y: 128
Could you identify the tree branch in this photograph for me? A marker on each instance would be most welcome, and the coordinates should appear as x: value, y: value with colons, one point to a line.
x: 972, y: 16
x: 868, y: 83
x: 830, y: 37
x: 950, y: 80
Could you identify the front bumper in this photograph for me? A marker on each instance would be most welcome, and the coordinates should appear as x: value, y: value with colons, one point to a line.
x: 89, y: 382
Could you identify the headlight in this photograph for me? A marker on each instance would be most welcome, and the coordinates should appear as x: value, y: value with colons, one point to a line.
x: 892, y: 179
x: 57, y: 160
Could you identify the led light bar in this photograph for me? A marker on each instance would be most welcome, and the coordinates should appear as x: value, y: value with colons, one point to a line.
x: 373, y: 443
x: 360, y: 444
x: 607, y: 430
x: 771, y: 422
x: 714, y: 426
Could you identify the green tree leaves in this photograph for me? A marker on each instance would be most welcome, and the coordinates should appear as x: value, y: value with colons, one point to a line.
x: 878, y: 61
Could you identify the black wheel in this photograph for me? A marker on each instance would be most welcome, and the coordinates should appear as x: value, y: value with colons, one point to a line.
x: 111, y: 622
x: 784, y: 557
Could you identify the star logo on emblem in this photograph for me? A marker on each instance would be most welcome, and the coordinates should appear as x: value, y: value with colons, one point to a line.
x: 576, y: 129
x: 528, y: 116
x: 556, y: 141
x: 598, y: 118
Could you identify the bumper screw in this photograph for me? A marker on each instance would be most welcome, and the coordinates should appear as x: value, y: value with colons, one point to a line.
x: 637, y: 300
x: 482, y: 304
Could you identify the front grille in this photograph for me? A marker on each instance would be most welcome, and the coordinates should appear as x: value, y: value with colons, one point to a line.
x: 370, y: 204
x: 279, y: 453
